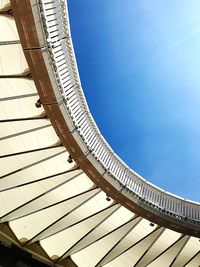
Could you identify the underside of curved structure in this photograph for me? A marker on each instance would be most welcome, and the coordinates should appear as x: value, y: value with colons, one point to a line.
x: 65, y: 197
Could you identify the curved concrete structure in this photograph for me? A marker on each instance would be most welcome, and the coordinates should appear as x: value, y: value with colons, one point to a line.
x: 56, y: 166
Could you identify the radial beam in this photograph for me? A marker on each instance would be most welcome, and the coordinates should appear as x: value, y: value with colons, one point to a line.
x: 30, y: 151
x: 25, y: 132
x: 10, y: 42
x: 23, y: 119
x: 9, y: 98
x: 8, y: 12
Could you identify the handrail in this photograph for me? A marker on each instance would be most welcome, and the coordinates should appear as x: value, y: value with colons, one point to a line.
x: 54, y: 16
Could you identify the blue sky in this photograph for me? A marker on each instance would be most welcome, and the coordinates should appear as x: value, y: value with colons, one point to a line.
x: 139, y: 63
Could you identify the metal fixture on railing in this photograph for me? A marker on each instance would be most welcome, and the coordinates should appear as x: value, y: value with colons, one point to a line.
x: 56, y: 28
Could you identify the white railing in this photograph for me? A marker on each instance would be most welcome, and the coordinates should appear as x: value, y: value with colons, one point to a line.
x: 54, y: 16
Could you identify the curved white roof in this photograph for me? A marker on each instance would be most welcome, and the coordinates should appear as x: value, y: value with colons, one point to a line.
x: 46, y: 199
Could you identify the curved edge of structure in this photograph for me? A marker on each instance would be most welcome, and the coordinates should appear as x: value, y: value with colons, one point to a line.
x: 45, y: 36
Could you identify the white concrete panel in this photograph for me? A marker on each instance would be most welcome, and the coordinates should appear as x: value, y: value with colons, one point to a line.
x: 14, y: 87
x: 51, y: 165
x: 8, y: 30
x: 12, y: 59
x: 4, y: 3
x: 23, y: 136
x: 24, y: 161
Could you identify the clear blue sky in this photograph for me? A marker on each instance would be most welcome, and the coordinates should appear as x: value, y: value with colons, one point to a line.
x: 139, y: 63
